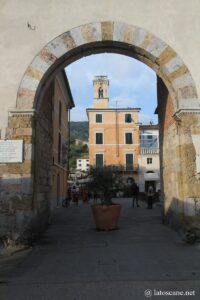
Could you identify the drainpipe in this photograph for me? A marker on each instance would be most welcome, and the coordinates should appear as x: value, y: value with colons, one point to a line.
x: 117, y: 135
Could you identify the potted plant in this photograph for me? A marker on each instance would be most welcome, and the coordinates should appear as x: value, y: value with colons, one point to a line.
x: 105, y: 182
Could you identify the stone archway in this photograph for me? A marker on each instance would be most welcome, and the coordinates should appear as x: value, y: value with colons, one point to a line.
x: 178, y: 104
x: 121, y: 37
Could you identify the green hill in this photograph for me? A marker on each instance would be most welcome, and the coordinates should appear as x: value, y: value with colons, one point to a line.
x: 79, y: 130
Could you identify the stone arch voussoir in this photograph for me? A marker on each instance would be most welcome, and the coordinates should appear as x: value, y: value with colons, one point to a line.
x: 149, y: 49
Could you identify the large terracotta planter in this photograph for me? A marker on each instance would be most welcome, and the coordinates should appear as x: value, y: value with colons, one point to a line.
x: 106, y: 216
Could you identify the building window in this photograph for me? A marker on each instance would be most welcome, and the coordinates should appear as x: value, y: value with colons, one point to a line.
x: 148, y: 141
x: 99, y: 160
x: 60, y: 113
x: 128, y: 118
x: 59, y: 148
x: 99, y: 138
x: 98, y: 118
x: 149, y: 160
x: 129, y: 162
x: 129, y: 137
x: 100, y: 92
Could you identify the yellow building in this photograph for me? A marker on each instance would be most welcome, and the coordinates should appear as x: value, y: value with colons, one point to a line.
x: 59, y: 101
x: 113, y: 133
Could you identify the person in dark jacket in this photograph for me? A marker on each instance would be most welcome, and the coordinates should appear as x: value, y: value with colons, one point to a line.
x: 150, y: 195
x: 135, y: 191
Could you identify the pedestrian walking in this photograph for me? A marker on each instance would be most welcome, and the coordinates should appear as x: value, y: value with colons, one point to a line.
x: 150, y: 195
x: 135, y: 191
x: 95, y: 196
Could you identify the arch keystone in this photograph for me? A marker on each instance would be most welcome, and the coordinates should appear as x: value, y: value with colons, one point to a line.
x: 107, y: 31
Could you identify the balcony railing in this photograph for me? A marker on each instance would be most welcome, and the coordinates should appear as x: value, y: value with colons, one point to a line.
x: 126, y: 168
x: 149, y: 150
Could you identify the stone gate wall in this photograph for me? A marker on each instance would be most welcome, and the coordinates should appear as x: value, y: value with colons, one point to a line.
x: 180, y: 180
x: 25, y: 61
x: 16, y: 180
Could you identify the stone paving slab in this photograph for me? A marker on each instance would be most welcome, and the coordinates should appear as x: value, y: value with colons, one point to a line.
x: 74, y: 261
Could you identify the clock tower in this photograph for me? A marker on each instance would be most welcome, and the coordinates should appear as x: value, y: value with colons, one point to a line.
x: 101, y: 99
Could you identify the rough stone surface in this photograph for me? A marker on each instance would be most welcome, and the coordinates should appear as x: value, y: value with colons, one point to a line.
x: 174, y: 64
x: 57, y: 47
x: 47, y: 56
x: 35, y: 73
x: 68, y: 41
x: 107, y: 31
x: 156, y: 47
x: 91, y: 32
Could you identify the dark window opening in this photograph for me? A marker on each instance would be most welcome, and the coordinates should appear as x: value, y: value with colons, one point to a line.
x: 99, y: 138
x: 100, y: 92
x: 149, y: 160
x: 128, y: 118
x: 129, y: 138
x: 59, y: 148
x: 98, y: 118
x: 99, y: 160
x: 129, y: 162
x: 60, y: 113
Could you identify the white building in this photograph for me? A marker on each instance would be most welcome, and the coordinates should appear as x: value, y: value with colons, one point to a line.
x: 149, y: 162
x: 82, y: 164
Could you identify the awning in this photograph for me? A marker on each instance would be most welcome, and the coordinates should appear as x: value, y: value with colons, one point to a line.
x: 151, y: 177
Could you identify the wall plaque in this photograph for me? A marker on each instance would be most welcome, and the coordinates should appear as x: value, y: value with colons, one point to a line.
x: 11, y: 151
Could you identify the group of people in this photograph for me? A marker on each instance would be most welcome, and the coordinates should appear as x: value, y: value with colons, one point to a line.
x: 150, y: 195
x: 74, y: 193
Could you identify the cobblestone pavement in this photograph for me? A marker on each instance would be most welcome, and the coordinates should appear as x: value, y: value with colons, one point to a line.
x: 74, y: 261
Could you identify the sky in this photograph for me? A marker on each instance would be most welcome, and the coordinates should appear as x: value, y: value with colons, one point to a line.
x: 132, y: 84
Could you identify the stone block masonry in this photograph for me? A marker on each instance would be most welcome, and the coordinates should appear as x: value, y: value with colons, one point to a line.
x: 16, y: 179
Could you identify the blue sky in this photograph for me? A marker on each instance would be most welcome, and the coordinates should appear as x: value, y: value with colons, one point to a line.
x: 132, y: 84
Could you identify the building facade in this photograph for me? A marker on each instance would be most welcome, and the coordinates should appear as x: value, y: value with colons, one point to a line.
x: 60, y: 101
x: 113, y: 133
x: 82, y: 164
x: 149, y: 161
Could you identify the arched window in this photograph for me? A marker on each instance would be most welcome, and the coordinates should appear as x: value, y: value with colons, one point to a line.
x: 100, y: 92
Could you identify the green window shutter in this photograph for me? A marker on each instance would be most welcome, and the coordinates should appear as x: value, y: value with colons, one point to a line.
x: 129, y: 138
x: 129, y: 162
x: 99, y: 138
x: 99, y: 160
x: 98, y: 118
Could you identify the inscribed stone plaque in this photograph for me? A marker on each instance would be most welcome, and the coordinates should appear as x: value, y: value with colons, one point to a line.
x: 11, y: 151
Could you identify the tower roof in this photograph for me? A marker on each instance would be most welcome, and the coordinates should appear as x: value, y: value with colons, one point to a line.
x: 101, y: 77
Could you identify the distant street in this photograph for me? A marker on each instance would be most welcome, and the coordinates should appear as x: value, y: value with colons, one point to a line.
x: 73, y: 261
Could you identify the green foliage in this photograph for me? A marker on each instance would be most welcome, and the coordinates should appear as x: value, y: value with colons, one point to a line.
x: 128, y: 191
x: 79, y: 130
x: 76, y: 151
x: 106, y: 181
